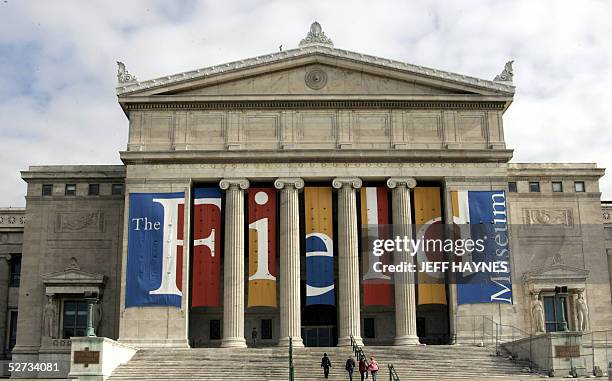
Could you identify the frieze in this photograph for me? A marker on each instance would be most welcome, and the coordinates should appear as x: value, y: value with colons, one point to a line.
x: 12, y: 220
x: 548, y: 217
x: 328, y: 165
x: 79, y: 222
x: 317, y: 104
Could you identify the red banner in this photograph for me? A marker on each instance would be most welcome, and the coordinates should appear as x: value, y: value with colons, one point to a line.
x: 206, y: 284
x: 262, y: 247
x: 377, y: 286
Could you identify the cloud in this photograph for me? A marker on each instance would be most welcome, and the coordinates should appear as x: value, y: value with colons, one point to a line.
x: 58, y: 105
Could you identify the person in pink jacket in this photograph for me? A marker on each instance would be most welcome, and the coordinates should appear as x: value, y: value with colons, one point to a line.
x: 373, y: 368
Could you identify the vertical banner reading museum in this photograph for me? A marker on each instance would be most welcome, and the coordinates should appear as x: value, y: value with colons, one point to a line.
x: 155, y: 249
x: 484, y: 215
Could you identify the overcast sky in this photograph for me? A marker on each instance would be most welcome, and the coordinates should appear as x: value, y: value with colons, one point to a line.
x: 58, y: 71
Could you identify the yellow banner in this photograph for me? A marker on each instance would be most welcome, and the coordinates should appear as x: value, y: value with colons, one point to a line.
x: 427, y: 212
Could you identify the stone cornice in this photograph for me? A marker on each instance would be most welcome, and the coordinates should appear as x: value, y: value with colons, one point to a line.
x: 317, y: 155
x: 294, y: 182
x: 12, y: 218
x: 347, y: 182
x: 407, y: 182
x: 316, y: 104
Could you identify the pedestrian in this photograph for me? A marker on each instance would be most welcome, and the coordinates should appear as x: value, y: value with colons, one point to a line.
x: 373, y: 368
x: 350, y: 367
x: 254, y: 337
x: 325, y: 364
x: 363, y: 368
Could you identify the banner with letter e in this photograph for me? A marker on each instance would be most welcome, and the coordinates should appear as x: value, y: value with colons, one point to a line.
x: 154, y: 273
x: 484, y: 214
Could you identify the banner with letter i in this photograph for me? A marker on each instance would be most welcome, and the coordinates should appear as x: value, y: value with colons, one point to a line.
x: 483, y: 215
x: 206, y: 273
x: 319, y: 246
x: 377, y: 286
x: 428, y: 220
x: 262, y: 247
x: 154, y: 274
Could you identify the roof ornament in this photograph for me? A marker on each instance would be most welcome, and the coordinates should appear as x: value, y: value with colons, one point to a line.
x: 124, y: 76
x: 507, y: 74
x: 316, y: 36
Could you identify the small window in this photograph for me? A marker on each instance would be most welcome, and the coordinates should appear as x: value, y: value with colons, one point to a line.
x: 47, y: 189
x: 369, y: 331
x: 579, y: 186
x: 512, y: 187
x: 557, y: 186
x: 94, y: 189
x: 74, y: 323
x: 534, y: 186
x: 215, y: 329
x: 70, y: 190
x: 15, y: 275
x: 117, y: 189
x: 12, y: 329
x: 266, y: 329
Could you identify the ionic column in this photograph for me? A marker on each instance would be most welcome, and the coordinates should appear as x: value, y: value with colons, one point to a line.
x: 233, y: 272
x: 405, y: 306
x: 290, y: 307
x: 349, y: 323
x: 4, y: 291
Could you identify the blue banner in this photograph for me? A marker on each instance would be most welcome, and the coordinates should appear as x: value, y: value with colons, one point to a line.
x: 485, y: 214
x: 155, y: 249
x: 319, y: 270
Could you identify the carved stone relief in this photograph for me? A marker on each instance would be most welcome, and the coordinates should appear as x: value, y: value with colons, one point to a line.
x: 79, y: 222
x: 548, y: 217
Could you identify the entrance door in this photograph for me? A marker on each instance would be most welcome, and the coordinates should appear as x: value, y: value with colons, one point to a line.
x: 318, y: 336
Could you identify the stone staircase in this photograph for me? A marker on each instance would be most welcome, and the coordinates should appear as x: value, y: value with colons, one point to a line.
x: 271, y: 364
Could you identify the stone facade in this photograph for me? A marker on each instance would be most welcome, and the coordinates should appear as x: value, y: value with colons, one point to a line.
x: 311, y: 115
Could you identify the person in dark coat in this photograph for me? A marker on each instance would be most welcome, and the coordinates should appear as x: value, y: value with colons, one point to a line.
x: 325, y: 364
x: 350, y: 367
x: 363, y: 368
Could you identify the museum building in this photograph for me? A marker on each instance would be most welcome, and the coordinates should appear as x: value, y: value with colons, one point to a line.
x: 242, y: 202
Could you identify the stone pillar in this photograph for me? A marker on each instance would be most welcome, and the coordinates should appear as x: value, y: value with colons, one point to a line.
x: 4, y: 290
x: 405, y: 301
x: 349, y: 322
x: 233, y: 272
x: 290, y: 304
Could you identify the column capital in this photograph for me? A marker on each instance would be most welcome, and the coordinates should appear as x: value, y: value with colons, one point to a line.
x: 6, y: 257
x: 395, y: 182
x: 294, y: 182
x: 231, y: 182
x: 345, y: 182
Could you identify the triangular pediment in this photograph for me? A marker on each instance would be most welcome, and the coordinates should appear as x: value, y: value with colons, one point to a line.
x: 72, y: 276
x: 556, y: 273
x: 314, y: 71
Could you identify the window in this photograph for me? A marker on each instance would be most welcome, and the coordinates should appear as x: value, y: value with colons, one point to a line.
x: 12, y: 329
x: 579, y: 186
x: 215, y: 329
x: 15, y: 270
x: 75, y: 319
x: 266, y: 329
x: 557, y: 186
x: 117, y: 189
x: 534, y: 186
x: 47, y: 189
x: 555, y: 313
x: 512, y: 187
x: 369, y: 331
x: 70, y: 190
x: 94, y: 189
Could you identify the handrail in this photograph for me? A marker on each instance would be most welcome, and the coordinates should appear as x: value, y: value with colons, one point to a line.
x: 392, y: 373
x: 291, y: 368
